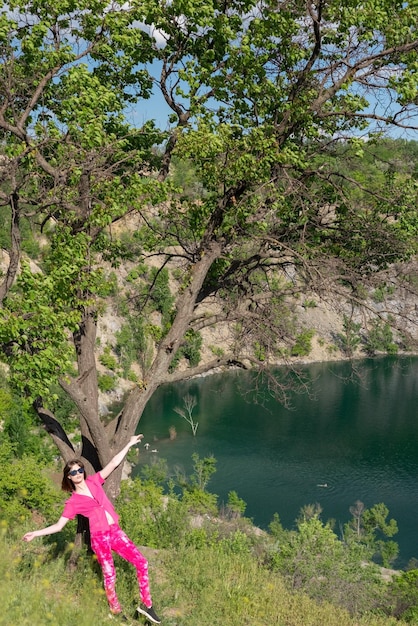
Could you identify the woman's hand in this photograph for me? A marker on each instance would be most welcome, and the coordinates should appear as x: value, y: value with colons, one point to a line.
x: 29, y: 536
x: 118, y: 458
x: 48, y: 530
x: 135, y: 439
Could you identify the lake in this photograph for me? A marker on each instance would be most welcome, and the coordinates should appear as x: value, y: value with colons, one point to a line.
x: 350, y: 439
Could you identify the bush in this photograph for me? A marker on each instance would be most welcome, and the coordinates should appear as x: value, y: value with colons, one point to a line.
x: 199, y: 501
x: 235, y: 506
x: 106, y: 382
x: 403, y: 594
x: 131, y: 343
x: 156, y: 471
x: 24, y: 488
x: 350, y: 338
x: 190, y: 349
x: 380, y: 339
x: 303, y: 344
x: 108, y: 360
x: 18, y: 428
x: 315, y: 561
x: 149, y: 517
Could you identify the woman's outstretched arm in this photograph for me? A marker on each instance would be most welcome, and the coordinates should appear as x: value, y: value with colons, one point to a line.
x: 118, y: 458
x: 49, y: 530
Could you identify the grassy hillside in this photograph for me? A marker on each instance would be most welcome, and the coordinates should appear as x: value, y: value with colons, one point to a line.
x: 190, y: 586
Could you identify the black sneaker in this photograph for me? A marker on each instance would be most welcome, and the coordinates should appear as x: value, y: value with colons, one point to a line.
x: 150, y: 613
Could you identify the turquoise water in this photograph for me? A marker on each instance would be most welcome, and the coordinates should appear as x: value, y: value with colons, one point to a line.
x: 353, y: 438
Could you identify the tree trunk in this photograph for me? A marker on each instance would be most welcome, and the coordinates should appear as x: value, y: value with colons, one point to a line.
x: 14, y: 251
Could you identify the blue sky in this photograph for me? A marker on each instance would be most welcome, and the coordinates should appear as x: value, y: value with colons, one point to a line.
x: 157, y: 109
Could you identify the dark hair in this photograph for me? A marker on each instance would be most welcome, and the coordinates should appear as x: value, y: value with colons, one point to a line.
x: 67, y: 484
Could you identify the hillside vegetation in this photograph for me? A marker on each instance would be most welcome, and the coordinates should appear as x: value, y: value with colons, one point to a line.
x: 205, y: 566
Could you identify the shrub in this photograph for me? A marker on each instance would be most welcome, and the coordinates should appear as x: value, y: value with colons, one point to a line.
x: 131, y: 342
x: 149, y: 517
x: 237, y: 543
x: 303, y: 344
x: 403, y: 595
x: 315, y: 561
x: 108, y: 360
x: 156, y: 471
x: 380, y: 339
x: 24, y: 488
x: 350, y: 338
x: 195, y: 496
x: 235, y: 507
x: 106, y: 382
x: 190, y: 349
x: 198, y: 501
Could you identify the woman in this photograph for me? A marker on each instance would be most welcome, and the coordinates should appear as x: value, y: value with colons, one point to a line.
x: 89, y: 499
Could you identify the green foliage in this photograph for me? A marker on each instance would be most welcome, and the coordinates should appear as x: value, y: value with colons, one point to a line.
x: 158, y: 293
x: 287, y: 185
x: 267, y: 167
x: 152, y: 293
x: 19, y: 427
x: 309, y: 304
x: 39, y: 314
x: 30, y: 241
x: 108, y: 286
x: 194, y: 493
x: 131, y: 376
x: 190, y: 349
x: 404, y: 595
x: 303, y: 345
x: 64, y: 409
x: 370, y: 528
x: 350, y: 338
x: 314, y: 560
x: 192, y: 572
x: 38, y: 588
x: 275, y: 527
x: 310, y: 561
x: 375, y: 525
x: 380, y: 338
x: 237, y: 542
x: 108, y: 359
x: 156, y: 471
x: 159, y: 521
x: 203, y: 470
x: 380, y: 293
x: 235, y: 506
x: 259, y: 351
x: 199, y: 501
x: 24, y: 487
x: 106, y: 382
x: 131, y: 343
x: 217, y: 351
x: 184, y: 177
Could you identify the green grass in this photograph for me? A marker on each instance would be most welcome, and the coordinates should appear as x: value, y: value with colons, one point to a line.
x: 191, y: 586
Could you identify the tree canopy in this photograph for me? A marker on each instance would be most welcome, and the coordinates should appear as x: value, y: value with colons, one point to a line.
x: 274, y: 107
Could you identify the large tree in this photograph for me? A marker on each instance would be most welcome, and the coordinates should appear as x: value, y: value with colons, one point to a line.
x: 270, y: 102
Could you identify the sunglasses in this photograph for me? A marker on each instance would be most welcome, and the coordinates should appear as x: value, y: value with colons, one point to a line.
x: 80, y: 470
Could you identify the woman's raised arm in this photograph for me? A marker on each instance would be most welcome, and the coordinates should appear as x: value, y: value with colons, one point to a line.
x: 118, y: 458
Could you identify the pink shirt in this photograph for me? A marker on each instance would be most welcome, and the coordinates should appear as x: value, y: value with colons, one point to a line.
x: 94, y: 508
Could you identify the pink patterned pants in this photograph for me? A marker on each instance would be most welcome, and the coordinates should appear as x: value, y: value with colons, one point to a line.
x: 115, y: 539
